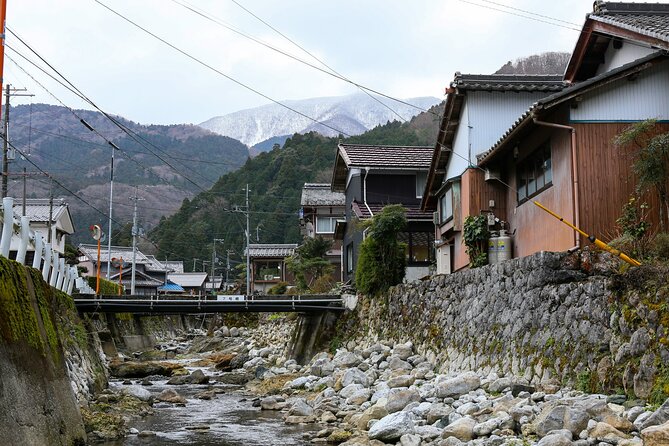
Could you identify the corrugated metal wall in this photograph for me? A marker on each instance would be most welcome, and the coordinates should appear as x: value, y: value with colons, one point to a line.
x: 614, y: 58
x: 625, y: 100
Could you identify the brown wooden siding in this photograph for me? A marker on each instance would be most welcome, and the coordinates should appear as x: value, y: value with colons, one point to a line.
x: 606, y: 180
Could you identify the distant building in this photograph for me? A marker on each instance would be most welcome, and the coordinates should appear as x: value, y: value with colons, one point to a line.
x: 373, y: 176
x: 192, y: 283
x: 150, y: 273
x: 268, y: 265
x: 40, y: 213
x: 321, y: 209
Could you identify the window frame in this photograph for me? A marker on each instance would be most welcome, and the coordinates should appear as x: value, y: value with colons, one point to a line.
x: 421, y: 178
x: 534, y: 173
x: 333, y: 224
x: 446, y: 218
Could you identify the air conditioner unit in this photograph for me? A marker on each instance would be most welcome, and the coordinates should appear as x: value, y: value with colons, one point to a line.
x: 435, y: 217
x: 492, y: 175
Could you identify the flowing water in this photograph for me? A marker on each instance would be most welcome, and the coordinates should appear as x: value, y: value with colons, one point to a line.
x: 230, y: 416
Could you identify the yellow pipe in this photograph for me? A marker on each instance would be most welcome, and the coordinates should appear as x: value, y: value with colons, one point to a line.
x: 600, y: 244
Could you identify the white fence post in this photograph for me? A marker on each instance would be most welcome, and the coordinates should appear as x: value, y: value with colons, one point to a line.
x: 7, y: 225
x: 54, y: 268
x: 61, y: 273
x: 47, y: 262
x: 25, y: 238
x: 71, y: 278
x: 39, y: 247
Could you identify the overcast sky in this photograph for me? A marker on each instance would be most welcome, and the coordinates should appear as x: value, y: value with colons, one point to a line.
x: 402, y: 48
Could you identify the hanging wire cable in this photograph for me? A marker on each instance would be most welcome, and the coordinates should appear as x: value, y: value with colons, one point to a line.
x: 332, y: 72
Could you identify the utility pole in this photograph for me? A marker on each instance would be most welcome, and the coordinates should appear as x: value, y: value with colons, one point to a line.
x: 9, y: 92
x: 227, y: 265
x: 135, y: 232
x: 48, y: 237
x: 111, y: 198
x: 213, y: 261
x: 248, y: 247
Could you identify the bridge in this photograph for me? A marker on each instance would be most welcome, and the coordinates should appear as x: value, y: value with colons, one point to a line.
x: 227, y: 304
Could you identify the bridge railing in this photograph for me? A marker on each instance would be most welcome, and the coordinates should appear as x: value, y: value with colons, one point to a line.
x: 52, y: 265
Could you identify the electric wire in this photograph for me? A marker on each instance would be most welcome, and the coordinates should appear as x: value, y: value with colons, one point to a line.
x: 117, y: 123
x: 332, y: 72
x: 216, y: 70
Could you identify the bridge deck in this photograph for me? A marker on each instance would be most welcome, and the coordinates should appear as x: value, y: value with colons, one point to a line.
x: 179, y: 305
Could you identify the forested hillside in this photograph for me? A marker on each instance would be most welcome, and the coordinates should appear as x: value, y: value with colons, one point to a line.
x: 275, y: 180
x: 54, y: 139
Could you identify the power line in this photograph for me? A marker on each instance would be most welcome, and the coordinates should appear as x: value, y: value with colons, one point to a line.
x: 118, y: 124
x: 219, y: 72
x: 528, y: 12
x: 332, y: 72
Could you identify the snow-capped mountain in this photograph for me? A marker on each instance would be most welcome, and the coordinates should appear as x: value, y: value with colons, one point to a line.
x: 352, y: 115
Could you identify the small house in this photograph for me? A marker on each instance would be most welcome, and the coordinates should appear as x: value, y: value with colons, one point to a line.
x: 268, y: 265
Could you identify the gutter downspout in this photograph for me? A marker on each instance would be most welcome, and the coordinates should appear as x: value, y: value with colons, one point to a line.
x: 364, y: 191
x: 574, y: 176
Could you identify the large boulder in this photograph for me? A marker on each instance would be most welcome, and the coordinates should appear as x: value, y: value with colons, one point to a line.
x: 656, y: 435
x: 460, y: 385
x: 399, y: 399
x: 171, y: 396
x: 557, y: 438
x: 403, y: 351
x: 660, y: 416
x: 300, y: 408
x: 136, y: 369
x: 392, y: 427
x: 462, y: 429
x: 375, y: 412
x: 138, y: 392
x: 355, y: 376
x: 345, y: 360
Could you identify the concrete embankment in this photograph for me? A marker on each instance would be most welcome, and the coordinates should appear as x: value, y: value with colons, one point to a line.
x: 49, y: 364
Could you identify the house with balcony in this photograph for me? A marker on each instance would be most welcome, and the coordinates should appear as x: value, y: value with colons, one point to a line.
x: 372, y: 177
x: 321, y: 208
x: 478, y: 109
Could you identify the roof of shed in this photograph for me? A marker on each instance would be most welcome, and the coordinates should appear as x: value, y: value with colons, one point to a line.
x: 272, y: 250
x: 191, y: 280
x: 320, y: 194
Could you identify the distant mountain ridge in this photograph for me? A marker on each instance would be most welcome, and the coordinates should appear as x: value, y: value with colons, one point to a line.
x: 353, y: 115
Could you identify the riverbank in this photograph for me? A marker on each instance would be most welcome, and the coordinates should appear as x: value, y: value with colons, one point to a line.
x: 385, y: 393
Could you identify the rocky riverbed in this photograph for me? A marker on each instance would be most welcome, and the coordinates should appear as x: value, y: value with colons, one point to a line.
x: 382, y: 394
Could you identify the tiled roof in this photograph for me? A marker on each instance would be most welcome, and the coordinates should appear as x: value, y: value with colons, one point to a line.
x: 361, y: 155
x: 319, y: 194
x: 174, y: 266
x: 272, y: 250
x: 413, y: 212
x: 507, y: 82
x: 37, y: 209
x: 580, y: 88
x: 125, y: 252
x: 188, y: 279
x: 649, y: 19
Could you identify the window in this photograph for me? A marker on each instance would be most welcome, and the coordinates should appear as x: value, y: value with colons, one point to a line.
x: 269, y: 271
x: 421, y: 181
x: 325, y: 225
x: 535, y: 173
x: 446, y: 206
x: 349, y: 258
x: 419, y: 246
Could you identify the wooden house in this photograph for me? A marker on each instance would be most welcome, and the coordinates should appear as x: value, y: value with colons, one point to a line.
x: 52, y: 221
x: 560, y: 151
x: 320, y: 210
x: 373, y: 176
x: 478, y: 109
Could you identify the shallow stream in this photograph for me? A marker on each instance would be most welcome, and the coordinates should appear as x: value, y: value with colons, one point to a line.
x: 230, y: 417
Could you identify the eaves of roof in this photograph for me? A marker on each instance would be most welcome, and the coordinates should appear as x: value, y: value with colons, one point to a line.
x: 558, y: 98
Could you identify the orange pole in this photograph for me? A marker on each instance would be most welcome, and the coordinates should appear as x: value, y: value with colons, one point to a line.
x: 97, y: 282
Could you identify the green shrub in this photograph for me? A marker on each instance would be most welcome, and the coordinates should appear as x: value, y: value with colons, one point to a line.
x: 475, y: 236
x: 660, y: 246
x: 382, y: 257
x: 106, y: 287
x: 279, y: 288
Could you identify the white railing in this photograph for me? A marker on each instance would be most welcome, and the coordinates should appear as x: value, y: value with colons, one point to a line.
x: 54, y: 270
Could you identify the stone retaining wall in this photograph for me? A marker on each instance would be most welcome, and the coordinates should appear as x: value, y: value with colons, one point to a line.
x: 550, y: 318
